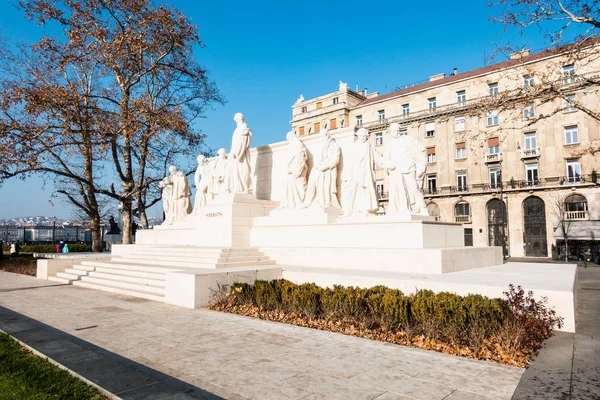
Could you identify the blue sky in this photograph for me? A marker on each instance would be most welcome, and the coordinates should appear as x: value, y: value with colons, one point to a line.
x: 264, y: 54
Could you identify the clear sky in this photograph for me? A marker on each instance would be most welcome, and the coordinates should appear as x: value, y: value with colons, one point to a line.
x: 264, y: 54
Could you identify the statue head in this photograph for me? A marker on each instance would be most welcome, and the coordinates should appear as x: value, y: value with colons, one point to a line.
x: 172, y: 169
x: 201, y: 159
x: 395, y: 130
x: 326, y: 135
x: 363, y: 135
x: 221, y: 153
x: 238, y: 117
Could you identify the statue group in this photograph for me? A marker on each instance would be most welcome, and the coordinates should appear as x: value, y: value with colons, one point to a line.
x: 229, y: 173
x: 404, y: 161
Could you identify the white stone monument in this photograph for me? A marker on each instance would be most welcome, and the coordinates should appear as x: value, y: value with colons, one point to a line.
x: 295, y: 181
x: 219, y: 173
x: 179, y: 203
x: 203, y: 181
x: 238, y: 177
x: 322, y: 183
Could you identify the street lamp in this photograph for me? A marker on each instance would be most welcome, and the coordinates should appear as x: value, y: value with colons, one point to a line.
x: 54, y: 230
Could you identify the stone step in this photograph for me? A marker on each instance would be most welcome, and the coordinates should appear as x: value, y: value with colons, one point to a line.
x: 118, y: 290
x: 245, y: 263
x: 60, y: 280
x: 83, y: 267
x: 191, y: 264
x: 144, y: 288
x: 126, y: 272
x: 128, y: 266
x: 78, y: 272
x: 65, y: 275
x: 191, y: 250
x: 130, y: 279
x: 194, y: 260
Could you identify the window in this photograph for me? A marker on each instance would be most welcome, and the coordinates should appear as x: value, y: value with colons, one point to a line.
x: 432, y: 104
x: 459, y: 124
x: 462, y: 208
x: 573, y: 171
x: 379, y: 189
x: 405, y: 109
x: 333, y: 124
x: 530, y: 141
x: 461, y: 97
x: 493, y: 145
x: 531, y: 174
x: 568, y: 73
x: 571, y: 134
x: 468, y: 236
x: 378, y: 138
x: 431, y: 154
x: 569, y: 103
x: 576, y: 203
x: 493, y: 90
x: 317, y: 127
x: 303, y: 109
x: 359, y: 120
x: 403, y: 131
x: 495, y: 178
x: 430, y: 129
x: 461, y: 181
x: 528, y: 81
x: 529, y: 112
x: 301, y: 130
x: 461, y: 151
x: 492, y: 118
x: 319, y: 105
x: 431, y: 184
x: 381, y: 115
x: 336, y: 100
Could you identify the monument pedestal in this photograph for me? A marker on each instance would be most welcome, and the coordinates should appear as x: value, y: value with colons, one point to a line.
x: 225, y: 222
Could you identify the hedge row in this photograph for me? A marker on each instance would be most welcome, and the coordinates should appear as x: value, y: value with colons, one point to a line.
x: 50, y: 248
x: 466, y: 320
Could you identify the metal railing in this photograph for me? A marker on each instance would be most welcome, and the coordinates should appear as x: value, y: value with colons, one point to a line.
x: 465, y: 219
x: 492, y: 157
x: 530, y: 153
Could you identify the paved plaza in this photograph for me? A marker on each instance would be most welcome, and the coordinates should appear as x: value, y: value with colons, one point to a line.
x: 137, y: 348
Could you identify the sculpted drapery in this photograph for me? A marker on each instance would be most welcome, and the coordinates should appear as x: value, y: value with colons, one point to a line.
x: 203, y: 182
x: 322, y: 183
x: 359, y: 182
x: 295, y: 179
x: 179, y: 204
x: 239, y: 158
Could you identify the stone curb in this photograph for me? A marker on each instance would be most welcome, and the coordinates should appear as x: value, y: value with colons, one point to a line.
x: 59, y: 365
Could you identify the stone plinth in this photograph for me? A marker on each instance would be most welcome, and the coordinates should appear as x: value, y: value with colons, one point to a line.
x: 224, y: 222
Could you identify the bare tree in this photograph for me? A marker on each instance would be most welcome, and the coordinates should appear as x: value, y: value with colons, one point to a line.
x: 560, y: 217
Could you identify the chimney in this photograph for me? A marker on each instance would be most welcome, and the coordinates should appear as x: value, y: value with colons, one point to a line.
x: 436, y: 77
x: 519, y: 54
x: 364, y: 92
x: 455, y: 71
x: 356, y: 87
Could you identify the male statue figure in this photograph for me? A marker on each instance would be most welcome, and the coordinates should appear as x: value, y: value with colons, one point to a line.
x: 405, y: 162
x: 219, y: 173
x: 239, y: 157
x: 180, y: 196
x: 295, y: 179
x: 203, y: 182
x: 322, y: 183
x: 359, y: 181
x: 167, y: 189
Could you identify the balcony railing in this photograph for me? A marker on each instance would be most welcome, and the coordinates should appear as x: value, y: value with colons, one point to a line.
x: 530, y: 153
x: 576, y: 215
x: 464, y: 219
x: 492, y: 158
x: 383, y: 195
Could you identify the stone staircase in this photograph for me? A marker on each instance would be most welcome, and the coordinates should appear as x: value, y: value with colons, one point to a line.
x: 142, y: 272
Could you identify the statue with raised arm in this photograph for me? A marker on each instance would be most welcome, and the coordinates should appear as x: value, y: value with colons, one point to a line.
x: 203, y: 182
x: 219, y: 173
x: 180, y: 205
x: 295, y: 178
x: 405, y: 162
x: 322, y: 182
x: 238, y: 176
x: 359, y: 196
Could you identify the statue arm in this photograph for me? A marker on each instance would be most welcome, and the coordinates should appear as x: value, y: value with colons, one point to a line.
x: 333, y: 161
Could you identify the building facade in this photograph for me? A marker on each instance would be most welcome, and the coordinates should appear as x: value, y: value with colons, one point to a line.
x: 511, y: 147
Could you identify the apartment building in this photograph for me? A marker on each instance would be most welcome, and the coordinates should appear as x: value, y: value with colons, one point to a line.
x: 511, y: 147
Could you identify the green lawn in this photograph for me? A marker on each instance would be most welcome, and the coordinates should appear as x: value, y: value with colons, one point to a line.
x: 24, y: 375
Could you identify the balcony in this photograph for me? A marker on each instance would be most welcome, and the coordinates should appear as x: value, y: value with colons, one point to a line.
x: 576, y: 215
x: 492, y: 158
x: 463, y: 219
x: 530, y: 153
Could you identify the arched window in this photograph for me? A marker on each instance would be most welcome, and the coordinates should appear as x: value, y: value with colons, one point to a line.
x: 576, y: 207
x: 434, y: 210
x: 462, y: 212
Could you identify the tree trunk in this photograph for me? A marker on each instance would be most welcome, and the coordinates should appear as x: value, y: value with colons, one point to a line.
x: 127, y: 220
x: 566, y: 249
x: 96, y: 235
x: 143, y: 216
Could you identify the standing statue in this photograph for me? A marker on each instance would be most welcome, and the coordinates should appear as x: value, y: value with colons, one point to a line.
x: 359, y: 181
x: 405, y: 162
x: 343, y: 87
x: 203, y: 182
x: 180, y: 205
x: 295, y: 180
x: 167, y: 189
x: 219, y: 173
x: 322, y: 183
x: 239, y: 157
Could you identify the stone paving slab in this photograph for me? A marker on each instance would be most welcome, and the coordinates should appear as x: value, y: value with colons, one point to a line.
x: 144, y: 349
